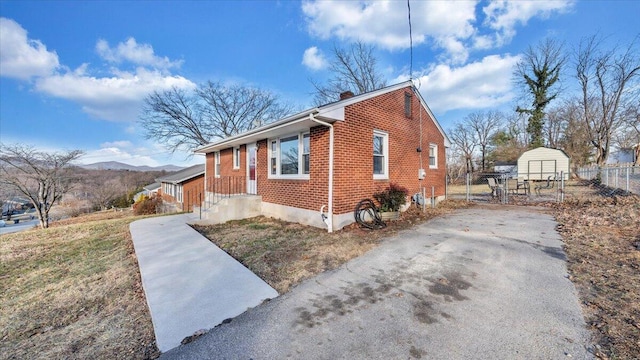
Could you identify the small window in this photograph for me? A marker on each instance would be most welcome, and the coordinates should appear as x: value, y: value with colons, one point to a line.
x: 236, y: 157
x: 380, y: 155
x: 306, y: 149
x: 407, y: 104
x: 217, y: 163
x: 433, y: 156
x: 274, y: 156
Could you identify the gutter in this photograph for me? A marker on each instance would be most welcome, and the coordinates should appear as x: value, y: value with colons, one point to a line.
x: 330, y: 191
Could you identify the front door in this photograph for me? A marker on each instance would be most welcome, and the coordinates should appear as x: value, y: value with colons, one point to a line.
x: 251, y: 169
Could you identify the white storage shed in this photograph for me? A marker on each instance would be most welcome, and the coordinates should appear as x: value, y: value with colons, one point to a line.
x: 542, y: 162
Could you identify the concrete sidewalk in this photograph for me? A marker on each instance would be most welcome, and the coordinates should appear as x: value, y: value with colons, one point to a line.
x: 190, y: 284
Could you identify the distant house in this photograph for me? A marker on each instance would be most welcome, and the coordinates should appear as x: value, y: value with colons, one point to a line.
x: 148, y: 190
x: 622, y: 156
x: 315, y: 166
x: 542, y: 162
x: 183, y: 188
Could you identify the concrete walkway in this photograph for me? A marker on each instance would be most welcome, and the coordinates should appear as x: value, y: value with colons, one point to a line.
x: 190, y: 284
x: 483, y: 283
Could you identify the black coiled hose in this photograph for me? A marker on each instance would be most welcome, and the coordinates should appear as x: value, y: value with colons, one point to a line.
x: 368, y: 216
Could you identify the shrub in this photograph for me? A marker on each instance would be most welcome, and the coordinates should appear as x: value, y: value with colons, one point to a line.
x: 391, y: 198
x: 147, y: 205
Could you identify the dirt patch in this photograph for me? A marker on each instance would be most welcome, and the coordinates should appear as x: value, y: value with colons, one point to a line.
x: 284, y: 254
x: 601, y: 236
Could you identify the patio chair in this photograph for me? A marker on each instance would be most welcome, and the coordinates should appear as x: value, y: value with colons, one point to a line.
x: 548, y: 185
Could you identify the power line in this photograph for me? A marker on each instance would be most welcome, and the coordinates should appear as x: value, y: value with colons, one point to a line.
x: 410, y: 43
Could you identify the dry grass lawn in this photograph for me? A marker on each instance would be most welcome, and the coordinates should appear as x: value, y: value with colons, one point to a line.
x: 602, y: 242
x: 284, y: 254
x: 73, y: 291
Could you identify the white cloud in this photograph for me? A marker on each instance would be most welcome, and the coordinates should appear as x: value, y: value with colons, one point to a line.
x: 482, y: 84
x: 116, y: 98
x: 451, y: 26
x: 503, y: 16
x: 21, y: 57
x: 117, y: 143
x: 314, y: 59
x: 385, y: 23
x: 131, y: 51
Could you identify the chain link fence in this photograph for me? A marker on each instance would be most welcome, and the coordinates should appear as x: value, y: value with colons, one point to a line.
x: 505, y: 188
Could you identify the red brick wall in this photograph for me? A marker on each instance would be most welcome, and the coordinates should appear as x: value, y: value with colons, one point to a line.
x: 305, y: 194
x: 192, y: 192
x: 353, y: 157
x: 226, y: 166
x: 354, y: 149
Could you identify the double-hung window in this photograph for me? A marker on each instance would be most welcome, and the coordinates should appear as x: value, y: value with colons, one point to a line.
x: 289, y: 156
x: 380, y: 155
x: 236, y: 157
x: 433, y: 156
x: 217, y: 163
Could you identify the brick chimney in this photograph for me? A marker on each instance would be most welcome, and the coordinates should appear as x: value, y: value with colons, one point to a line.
x: 346, y: 94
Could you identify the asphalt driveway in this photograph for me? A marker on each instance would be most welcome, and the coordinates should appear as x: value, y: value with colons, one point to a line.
x: 483, y: 283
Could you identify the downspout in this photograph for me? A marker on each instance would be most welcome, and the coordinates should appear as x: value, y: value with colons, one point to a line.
x: 330, y: 192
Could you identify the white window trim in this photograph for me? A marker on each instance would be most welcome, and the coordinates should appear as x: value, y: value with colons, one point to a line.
x: 216, y: 164
x: 300, y: 175
x: 385, y: 154
x: 435, y: 147
x: 236, y: 158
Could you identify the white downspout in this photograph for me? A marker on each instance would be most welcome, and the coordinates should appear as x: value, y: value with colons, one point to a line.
x: 330, y: 194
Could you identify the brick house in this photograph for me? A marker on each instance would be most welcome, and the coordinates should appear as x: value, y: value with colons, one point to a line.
x: 330, y: 157
x: 183, y: 188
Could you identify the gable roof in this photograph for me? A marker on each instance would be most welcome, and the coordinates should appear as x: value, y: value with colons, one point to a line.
x: 183, y: 175
x: 152, y: 186
x: 545, y: 148
x: 329, y: 113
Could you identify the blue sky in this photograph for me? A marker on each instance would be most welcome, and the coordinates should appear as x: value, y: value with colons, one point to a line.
x: 73, y: 74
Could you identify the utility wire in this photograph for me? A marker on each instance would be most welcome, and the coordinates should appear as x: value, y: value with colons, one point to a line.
x: 410, y: 43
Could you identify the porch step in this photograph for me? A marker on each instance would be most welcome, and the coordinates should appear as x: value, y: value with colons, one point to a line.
x: 232, y: 208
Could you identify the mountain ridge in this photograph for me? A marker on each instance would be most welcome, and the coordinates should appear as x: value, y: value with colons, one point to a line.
x: 116, y: 165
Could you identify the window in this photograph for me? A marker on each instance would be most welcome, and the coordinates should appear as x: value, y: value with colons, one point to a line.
x: 274, y: 156
x: 306, y: 149
x: 217, y: 163
x: 289, y: 156
x: 407, y: 104
x: 380, y: 155
x: 179, y: 193
x: 236, y: 157
x: 433, y: 156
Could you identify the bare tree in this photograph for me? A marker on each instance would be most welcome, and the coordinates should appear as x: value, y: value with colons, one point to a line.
x: 554, y: 127
x: 465, y: 142
x: 628, y: 136
x: 509, y: 142
x: 574, y: 139
x: 184, y: 120
x: 485, y: 125
x: 354, y: 69
x: 40, y: 176
x: 539, y: 72
x: 608, y: 81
